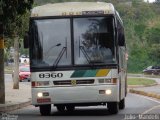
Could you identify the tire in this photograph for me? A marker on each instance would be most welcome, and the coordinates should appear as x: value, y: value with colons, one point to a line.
x: 113, y: 107
x: 122, y: 104
x: 60, y: 108
x: 45, y: 110
x: 70, y: 108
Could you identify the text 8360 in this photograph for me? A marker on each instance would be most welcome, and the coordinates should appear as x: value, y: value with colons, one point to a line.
x: 50, y: 75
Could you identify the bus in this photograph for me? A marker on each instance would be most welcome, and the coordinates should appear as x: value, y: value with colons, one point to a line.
x: 77, y: 56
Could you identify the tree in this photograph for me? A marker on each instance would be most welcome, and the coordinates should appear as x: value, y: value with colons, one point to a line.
x: 13, y: 10
x: 157, y: 1
x: 2, y: 87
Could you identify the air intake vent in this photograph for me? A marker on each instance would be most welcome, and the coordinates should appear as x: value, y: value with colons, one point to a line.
x: 74, y: 82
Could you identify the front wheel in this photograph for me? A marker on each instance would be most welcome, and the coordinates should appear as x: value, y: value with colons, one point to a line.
x: 113, y: 107
x: 122, y: 104
x: 45, y: 110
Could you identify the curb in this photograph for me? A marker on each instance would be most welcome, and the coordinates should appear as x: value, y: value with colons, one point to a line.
x: 138, y: 86
x: 143, y: 75
x: 11, y: 107
x: 148, y: 94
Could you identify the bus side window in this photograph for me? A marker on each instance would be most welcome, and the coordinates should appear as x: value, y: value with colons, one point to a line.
x: 121, y: 38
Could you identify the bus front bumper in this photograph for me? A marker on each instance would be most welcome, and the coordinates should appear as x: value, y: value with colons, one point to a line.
x: 75, y: 94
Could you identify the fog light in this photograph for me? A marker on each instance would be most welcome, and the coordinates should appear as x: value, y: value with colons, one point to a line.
x: 108, y: 92
x: 40, y: 94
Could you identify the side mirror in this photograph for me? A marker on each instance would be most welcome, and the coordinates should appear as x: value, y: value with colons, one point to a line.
x: 26, y: 40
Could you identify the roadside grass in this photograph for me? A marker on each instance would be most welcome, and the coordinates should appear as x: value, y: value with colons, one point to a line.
x: 140, y: 81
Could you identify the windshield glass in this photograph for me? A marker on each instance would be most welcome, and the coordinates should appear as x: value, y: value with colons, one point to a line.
x: 93, y: 40
x: 52, y: 42
x: 24, y: 69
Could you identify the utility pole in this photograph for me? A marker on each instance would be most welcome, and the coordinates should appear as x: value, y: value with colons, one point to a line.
x: 2, y: 85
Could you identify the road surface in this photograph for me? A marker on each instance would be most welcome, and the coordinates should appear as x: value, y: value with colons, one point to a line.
x: 135, y: 106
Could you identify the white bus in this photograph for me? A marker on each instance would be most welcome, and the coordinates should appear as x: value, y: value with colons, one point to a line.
x: 77, y: 56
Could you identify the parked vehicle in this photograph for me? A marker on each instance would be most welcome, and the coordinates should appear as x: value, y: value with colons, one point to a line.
x: 24, y: 73
x: 153, y: 70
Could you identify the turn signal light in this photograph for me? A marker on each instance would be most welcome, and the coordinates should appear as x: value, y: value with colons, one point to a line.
x: 112, y: 81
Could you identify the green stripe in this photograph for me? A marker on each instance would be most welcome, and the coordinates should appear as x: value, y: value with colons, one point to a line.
x: 78, y: 73
x: 90, y: 73
x: 84, y: 73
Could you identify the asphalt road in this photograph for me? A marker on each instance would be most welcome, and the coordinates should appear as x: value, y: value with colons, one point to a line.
x: 135, y: 106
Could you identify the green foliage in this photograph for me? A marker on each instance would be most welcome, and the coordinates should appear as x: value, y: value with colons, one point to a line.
x: 154, y: 53
x: 14, y: 14
x: 141, y: 22
x: 15, y: 20
x: 142, y: 28
x: 138, y: 59
x: 13, y: 8
x: 153, y: 35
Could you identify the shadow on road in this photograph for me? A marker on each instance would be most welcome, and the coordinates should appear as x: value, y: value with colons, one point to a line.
x: 83, y: 112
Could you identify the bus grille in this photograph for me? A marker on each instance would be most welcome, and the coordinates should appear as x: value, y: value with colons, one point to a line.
x: 74, y: 82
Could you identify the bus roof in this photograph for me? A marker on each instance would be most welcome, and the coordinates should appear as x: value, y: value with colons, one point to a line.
x: 73, y: 8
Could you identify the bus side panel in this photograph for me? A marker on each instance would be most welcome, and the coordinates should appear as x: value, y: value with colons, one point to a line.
x: 122, y: 72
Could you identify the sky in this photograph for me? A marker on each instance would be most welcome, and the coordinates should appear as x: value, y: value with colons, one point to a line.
x: 150, y: 1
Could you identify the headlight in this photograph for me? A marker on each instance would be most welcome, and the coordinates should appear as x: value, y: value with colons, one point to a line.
x: 108, y: 92
x: 40, y: 94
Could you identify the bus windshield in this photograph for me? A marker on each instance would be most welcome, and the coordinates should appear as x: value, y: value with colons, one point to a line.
x: 91, y: 42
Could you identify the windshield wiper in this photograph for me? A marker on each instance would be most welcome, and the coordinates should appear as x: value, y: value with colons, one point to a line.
x: 59, y: 57
x: 64, y: 49
x: 86, y: 55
